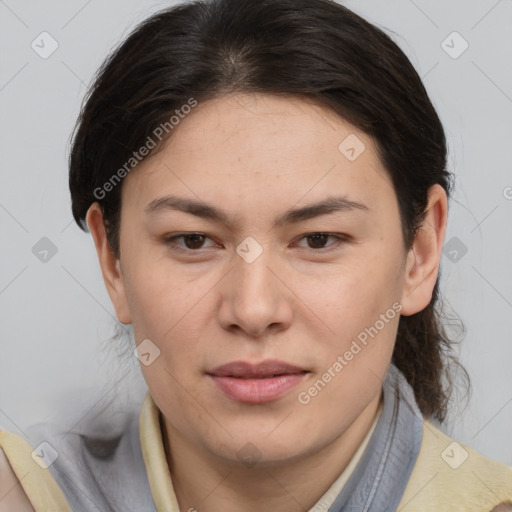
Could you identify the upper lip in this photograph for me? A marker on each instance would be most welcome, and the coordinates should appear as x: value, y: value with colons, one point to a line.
x: 268, y: 368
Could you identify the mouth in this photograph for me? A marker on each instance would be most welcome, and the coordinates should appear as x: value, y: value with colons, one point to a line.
x: 265, y: 369
x: 259, y: 377
x: 263, y: 382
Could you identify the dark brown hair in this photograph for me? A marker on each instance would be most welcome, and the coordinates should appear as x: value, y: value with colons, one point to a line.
x: 316, y: 49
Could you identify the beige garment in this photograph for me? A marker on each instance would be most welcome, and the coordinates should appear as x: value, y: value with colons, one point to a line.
x: 37, y: 482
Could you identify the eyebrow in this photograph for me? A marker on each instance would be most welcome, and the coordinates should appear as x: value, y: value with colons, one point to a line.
x: 327, y: 206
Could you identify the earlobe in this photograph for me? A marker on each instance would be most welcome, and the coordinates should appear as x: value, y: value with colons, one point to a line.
x: 109, y: 264
x: 424, y: 257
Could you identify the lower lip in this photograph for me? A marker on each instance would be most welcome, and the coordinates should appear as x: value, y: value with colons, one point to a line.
x: 255, y: 391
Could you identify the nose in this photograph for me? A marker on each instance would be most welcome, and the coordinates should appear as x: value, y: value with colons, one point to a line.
x: 255, y: 297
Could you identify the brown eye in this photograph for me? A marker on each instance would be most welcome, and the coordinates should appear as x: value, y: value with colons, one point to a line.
x: 192, y: 242
x: 318, y: 241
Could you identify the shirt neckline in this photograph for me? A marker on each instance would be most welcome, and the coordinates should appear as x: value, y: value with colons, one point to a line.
x: 159, y: 475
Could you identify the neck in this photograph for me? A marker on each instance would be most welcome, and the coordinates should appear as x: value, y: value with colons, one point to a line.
x: 208, y: 483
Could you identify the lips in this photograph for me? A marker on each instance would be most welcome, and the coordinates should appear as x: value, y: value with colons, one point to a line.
x: 263, y: 382
x: 263, y: 370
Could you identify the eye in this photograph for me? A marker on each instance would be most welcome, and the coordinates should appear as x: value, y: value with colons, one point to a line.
x: 317, y: 241
x: 192, y: 241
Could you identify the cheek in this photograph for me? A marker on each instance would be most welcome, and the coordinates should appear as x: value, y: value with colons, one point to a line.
x: 351, y: 297
x: 173, y: 312
x: 360, y: 306
x: 158, y: 294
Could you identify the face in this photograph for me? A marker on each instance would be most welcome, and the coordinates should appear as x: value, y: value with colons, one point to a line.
x: 282, y: 242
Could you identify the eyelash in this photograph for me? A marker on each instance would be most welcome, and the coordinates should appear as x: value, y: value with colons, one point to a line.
x: 169, y: 241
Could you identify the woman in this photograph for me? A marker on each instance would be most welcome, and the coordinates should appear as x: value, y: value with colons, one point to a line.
x: 266, y: 187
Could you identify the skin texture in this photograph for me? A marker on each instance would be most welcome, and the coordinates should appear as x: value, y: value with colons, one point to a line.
x: 255, y: 157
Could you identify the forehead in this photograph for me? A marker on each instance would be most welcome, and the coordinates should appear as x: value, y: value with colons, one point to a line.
x: 254, y: 147
x: 262, y: 125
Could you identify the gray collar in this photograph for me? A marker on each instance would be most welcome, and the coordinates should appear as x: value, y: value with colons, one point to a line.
x: 381, y: 475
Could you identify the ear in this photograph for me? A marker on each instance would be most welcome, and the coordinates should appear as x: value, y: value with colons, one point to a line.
x: 424, y: 257
x: 110, y: 265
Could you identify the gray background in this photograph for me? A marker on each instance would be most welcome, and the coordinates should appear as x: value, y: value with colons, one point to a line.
x: 56, y: 319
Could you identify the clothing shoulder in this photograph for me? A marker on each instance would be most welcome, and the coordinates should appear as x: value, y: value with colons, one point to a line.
x: 25, y: 485
x: 94, y: 464
x: 12, y: 495
x: 451, y: 476
x: 98, y: 463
